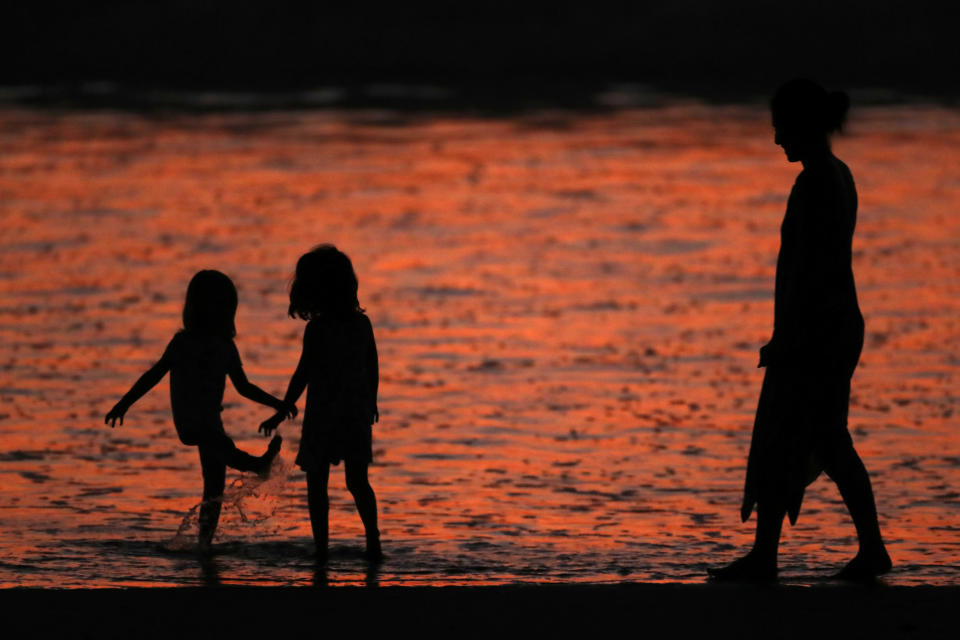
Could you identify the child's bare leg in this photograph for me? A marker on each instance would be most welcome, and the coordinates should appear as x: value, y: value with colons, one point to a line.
x: 319, y: 506
x: 243, y: 461
x: 214, y: 479
x: 366, y: 501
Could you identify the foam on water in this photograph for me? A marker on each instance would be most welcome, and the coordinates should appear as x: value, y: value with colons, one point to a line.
x: 248, y: 504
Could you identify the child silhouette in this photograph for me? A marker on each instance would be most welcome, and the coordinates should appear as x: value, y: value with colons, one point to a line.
x: 339, y: 365
x: 199, y: 357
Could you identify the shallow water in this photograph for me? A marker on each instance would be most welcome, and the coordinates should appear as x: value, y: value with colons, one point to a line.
x: 568, y: 308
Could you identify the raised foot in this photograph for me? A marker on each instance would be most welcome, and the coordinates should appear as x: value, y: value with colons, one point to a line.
x: 865, y: 567
x: 267, y: 459
x: 746, y: 569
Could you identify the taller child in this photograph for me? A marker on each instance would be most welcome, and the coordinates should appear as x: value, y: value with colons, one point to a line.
x: 339, y: 368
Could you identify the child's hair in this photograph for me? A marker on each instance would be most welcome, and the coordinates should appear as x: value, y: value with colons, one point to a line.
x: 805, y: 105
x: 325, y: 283
x: 211, y: 305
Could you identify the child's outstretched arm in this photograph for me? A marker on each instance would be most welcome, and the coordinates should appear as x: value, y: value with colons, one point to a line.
x: 146, y: 382
x: 252, y: 392
x: 298, y: 382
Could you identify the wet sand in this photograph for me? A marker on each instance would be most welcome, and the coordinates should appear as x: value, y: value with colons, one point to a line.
x: 681, y: 610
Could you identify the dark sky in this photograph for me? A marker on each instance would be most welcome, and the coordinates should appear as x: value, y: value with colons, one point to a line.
x: 280, y: 44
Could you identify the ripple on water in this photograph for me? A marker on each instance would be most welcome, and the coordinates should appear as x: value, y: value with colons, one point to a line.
x: 567, y: 326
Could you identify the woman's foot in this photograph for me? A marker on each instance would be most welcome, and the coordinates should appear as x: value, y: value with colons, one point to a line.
x: 749, y: 568
x: 866, y: 566
x: 266, y: 459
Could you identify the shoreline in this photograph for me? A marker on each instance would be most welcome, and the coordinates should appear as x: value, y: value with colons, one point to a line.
x: 424, y: 96
x: 747, y: 610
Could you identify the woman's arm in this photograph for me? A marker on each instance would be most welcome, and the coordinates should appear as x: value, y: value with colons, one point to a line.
x: 823, y: 273
x: 824, y: 250
x: 146, y: 382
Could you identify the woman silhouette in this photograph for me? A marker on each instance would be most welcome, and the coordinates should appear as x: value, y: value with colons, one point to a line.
x: 801, y: 421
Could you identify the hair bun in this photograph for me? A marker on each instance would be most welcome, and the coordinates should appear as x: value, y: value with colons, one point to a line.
x: 805, y: 105
x: 838, y: 103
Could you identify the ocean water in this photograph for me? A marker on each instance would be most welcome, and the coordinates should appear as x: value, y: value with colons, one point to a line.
x: 568, y: 307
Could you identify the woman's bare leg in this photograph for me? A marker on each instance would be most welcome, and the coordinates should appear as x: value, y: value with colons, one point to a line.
x: 845, y: 467
x: 760, y: 563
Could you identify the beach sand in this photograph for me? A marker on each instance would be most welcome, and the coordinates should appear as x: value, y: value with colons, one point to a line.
x: 530, y: 610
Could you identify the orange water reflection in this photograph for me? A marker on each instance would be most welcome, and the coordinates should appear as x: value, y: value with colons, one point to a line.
x: 568, y: 309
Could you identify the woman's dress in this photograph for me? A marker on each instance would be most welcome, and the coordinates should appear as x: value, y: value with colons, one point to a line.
x: 816, y: 343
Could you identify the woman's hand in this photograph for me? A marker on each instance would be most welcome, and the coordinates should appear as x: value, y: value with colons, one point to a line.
x: 289, y: 410
x: 115, y: 414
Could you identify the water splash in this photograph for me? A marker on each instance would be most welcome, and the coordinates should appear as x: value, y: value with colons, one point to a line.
x: 249, y: 503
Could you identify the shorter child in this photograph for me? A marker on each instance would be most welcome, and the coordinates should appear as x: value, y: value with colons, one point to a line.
x: 339, y: 365
x: 199, y: 357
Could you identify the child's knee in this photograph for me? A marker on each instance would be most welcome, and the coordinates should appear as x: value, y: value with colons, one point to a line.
x: 357, y: 487
x: 358, y: 483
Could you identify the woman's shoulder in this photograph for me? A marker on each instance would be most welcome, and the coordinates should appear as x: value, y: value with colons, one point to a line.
x: 825, y: 173
x: 824, y: 181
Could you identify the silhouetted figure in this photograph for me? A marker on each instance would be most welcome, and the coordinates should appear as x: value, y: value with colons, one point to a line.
x: 340, y: 370
x: 199, y: 357
x: 801, y: 421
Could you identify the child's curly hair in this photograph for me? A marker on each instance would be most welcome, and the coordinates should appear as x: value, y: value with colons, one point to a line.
x: 324, y: 284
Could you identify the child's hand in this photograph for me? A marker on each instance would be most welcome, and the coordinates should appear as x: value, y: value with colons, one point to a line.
x: 268, y: 426
x: 115, y: 414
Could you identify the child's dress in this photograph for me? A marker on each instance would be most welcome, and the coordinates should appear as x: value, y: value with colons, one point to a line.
x: 817, y: 338
x: 342, y: 381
